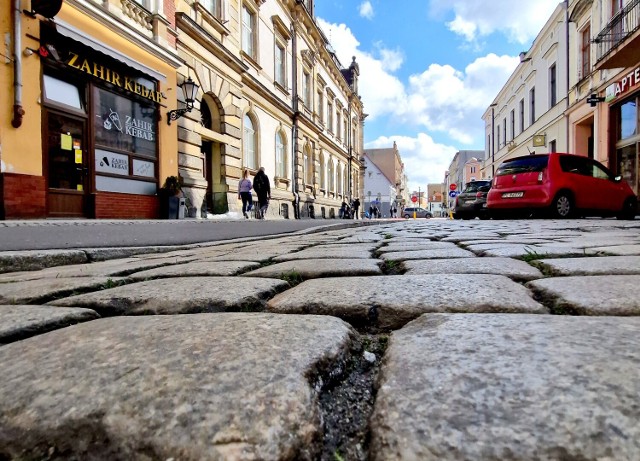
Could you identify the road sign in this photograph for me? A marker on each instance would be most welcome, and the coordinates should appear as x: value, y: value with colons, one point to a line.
x: 414, y: 199
x: 453, y: 186
x: 452, y: 194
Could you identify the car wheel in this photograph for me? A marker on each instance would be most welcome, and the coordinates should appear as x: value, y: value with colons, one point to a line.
x: 562, y: 206
x: 629, y: 209
x: 406, y: 216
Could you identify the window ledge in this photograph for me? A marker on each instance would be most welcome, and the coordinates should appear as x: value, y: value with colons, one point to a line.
x: 250, y: 59
x: 211, y: 19
x: 281, y: 87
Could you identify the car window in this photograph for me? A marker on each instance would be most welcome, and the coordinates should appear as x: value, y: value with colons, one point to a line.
x: 523, y: 165
x: 599, y: 171
x: 573, y: 164
x: 476, y: 186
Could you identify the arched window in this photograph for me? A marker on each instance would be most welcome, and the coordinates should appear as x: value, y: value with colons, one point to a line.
x: 323, y: 172
x: 281, y: 159
x: 340, y: 179
x: 332, y: 175
x: 250, y: 144
x: 308, y: 166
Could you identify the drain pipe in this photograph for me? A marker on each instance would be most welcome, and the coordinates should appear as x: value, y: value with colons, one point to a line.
x: 18, y: 111
x: 294, y: 128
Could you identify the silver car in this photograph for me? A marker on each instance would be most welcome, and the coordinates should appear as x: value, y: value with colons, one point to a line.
x: 420, y: 212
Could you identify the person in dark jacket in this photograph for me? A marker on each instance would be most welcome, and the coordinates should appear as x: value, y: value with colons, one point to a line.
x: 356, y: 208
x: 263, y: 190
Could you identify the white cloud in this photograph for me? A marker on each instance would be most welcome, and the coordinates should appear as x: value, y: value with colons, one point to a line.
x: 474, y: 19
x: 425, y: 161
x: 439, y: 99
x: 366, y: 10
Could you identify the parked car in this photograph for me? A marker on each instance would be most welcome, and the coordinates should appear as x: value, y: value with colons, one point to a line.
x: 472, y: 201
x: 420, y: 212
x: 563, y: 185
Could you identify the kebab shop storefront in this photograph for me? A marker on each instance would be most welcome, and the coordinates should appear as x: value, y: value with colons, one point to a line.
x: 100, y: 132
x: 623, y: 97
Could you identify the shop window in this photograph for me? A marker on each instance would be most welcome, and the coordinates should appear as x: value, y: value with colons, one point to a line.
x: 628, y: 119
x: 62, y: 92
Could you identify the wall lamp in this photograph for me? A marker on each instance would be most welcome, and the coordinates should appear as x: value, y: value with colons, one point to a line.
x: 189, y: 89
x: 593, y: 99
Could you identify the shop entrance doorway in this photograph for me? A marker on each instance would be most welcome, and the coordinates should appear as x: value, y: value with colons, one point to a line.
x: 66, y: 165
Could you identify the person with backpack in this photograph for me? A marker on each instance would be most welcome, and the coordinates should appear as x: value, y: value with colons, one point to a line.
x: 244, y: 193
x: 263, y: 190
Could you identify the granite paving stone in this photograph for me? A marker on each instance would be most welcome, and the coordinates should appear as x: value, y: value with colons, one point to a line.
x: 179, y: 295
x: 515, y: 251
x: 321, y: 252
x: 620, y: 250
x: 512, y: 268
x: 389, y: 302
x: 417, y: 245
x: 591, y: 295
x: 41, y: 291
x: 517, y: 387
x: 314, y: 268
x: 614, y: 265
x: 184, y: 387
x: 453, y: 252
x: 22, y: 321
x: 193, y: 269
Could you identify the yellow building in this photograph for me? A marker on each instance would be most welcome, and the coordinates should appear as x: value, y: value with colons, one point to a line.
x: 84, y: 95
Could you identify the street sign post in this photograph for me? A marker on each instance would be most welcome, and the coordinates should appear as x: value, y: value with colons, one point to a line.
x: 452, y: 194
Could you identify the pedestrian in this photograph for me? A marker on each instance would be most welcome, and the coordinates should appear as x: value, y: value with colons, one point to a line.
x: 376, y: 212
x: 356, y: 207
x: 263, y: 190
x: 244, y: 193
x: 395, y: 211
x: 391, y: 211
x: 343, y: 209
x: 370, y: 211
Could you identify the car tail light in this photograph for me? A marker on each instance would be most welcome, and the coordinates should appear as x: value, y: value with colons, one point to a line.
x: 541, y: 176
x: 495, y: 182
x: 479, y: 195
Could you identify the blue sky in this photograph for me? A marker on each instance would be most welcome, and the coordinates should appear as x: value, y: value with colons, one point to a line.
x: 429, y: 69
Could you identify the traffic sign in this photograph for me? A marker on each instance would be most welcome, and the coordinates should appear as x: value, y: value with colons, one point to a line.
x: 452, y: 194
x: 453, y: 186
x: 414, y: 199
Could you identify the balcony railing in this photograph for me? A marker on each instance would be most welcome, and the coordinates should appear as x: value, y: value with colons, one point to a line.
x: 621, y: 27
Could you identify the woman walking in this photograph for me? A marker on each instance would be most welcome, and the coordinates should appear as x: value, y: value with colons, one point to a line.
x: 244, y: 193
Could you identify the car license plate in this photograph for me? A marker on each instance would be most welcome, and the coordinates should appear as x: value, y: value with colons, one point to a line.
x: 512, y: 194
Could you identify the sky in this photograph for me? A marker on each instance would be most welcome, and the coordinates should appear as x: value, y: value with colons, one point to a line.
x: 429, y: 69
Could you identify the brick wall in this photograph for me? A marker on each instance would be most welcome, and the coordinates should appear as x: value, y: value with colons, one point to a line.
x: 22, y: 196
x: 111, y: 205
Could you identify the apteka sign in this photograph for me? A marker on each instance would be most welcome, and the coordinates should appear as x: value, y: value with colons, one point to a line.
x: 623, y: 85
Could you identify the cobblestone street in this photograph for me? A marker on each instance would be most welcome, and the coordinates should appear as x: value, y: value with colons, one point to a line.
x: 402, y: 340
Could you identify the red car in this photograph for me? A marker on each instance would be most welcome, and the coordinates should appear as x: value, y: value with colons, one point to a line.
x: 564, y: 185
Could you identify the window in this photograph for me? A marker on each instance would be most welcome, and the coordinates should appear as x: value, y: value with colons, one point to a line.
x: 553, y: 90
x: 306, y: 88
x: 585, y: 52
x: 248, y: 31
x: 345, y: 126
x: 521, y: 115
x: 513, y: 123
x: 498, y: 133
x: 308, y: 167
x: 332, y: 175
x: 213, y: 7
x: 488, y: 146
x: 532, y: 106
x: 473, y: 169
x: 628, y: 119
x: 320, y: 109
x: 552, y: 146
x: 281, y: 149
x: 249, y: 138
x: 280, y: 65
x: 62, y: 92
x: 330, y: 116
x: 323, y: 172
x: 338, y: 124
x: 504, y: 129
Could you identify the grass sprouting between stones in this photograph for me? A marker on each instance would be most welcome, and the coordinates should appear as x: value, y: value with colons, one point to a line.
x: 292, y: 277
x: 392, y: 267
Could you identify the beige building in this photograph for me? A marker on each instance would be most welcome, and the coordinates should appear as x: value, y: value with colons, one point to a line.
x: 528, y: 114
x: 604, y: 82
x: 389, y: 162
x: 272, y: 94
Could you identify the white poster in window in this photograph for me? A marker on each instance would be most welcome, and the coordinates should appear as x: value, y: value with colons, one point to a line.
x: 142, y: 168
x: 110, y: 162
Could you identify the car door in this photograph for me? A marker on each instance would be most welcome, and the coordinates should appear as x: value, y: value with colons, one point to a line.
x: 579, y: 175
x: 609, y: 195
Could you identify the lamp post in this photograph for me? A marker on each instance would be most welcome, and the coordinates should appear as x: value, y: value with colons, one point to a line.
x: 189, y: 89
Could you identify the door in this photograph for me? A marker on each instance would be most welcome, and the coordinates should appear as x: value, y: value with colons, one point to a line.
x: 66, y: 165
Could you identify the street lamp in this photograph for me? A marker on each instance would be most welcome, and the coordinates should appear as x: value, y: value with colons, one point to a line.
x: 189, y: 89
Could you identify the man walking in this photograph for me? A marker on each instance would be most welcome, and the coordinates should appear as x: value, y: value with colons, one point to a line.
x: 263, y: 191
x: 356, y: 207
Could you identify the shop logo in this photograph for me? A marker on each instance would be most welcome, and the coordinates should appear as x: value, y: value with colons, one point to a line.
x: 113, y: 119
x: 105, y: 161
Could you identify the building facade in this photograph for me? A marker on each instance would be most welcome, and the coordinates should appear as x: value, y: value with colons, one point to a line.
x: 84, y: 94
x: 528, y: 114
x: 605, y: 84
x: 273, y: 94
x: 464, y: 166
x: 389, y: 163
x: 380, y: 189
